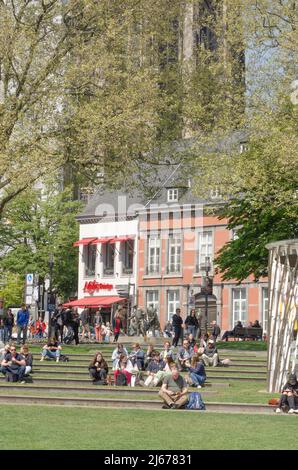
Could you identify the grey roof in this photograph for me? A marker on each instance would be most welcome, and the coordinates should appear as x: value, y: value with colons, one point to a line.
x: 151, y: 184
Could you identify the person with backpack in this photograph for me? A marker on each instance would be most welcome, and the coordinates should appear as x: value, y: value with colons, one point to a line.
x: 13, y: 365
x: 174, y: 390
x: 123, y: 371
x: 98, y: 369
x: 51, y: 350
x: 196, y: 371
x: 289, y: 397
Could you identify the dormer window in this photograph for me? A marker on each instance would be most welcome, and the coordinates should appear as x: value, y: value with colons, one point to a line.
x: 173, y: 195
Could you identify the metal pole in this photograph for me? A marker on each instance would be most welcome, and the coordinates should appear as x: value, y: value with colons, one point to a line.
x: 51, y: 265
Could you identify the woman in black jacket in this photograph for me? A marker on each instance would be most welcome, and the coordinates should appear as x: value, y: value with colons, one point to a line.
x: 192, y: 323
x: 99, y: 369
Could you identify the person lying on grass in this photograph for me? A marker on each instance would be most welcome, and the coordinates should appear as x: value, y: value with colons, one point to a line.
x: 174, y: 391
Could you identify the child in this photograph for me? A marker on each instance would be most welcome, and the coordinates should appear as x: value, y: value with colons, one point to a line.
x: 108, y: 333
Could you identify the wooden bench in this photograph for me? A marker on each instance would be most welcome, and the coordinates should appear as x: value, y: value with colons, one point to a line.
x: 248, y: 333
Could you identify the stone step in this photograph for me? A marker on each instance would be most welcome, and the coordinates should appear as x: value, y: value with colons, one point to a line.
x: 82, y: 382
x: 85, y: 364
x: 211, y: 372
x: 96, y: 389
x: 133, y: 404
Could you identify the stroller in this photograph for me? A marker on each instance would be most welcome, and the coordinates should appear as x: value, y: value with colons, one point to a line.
x: 70, y: 336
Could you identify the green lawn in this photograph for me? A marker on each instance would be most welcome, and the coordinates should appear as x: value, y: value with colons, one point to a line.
x: 81, y: 428
x: 242, y: 345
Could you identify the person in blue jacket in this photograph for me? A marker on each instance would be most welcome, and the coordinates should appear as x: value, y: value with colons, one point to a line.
x: 22, y: 323
x: 197, y: 371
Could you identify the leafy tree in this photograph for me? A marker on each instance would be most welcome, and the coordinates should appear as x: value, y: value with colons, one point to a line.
x: 12, y: 289
x: 40, y: 223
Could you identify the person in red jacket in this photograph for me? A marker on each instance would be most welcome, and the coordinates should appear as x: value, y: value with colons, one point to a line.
x: 40, y: 328
x: 117, y: 325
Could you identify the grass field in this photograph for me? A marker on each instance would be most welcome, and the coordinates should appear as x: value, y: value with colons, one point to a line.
x: 35, y: 427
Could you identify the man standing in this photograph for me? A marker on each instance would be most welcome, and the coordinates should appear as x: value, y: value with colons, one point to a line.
x: 22, y: 323
x: 177, y: 326
x: 85, y: 319
x: 174, y: 391
x: 8, y: 325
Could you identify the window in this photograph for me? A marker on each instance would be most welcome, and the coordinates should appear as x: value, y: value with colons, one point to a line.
x: 90, y: 260
x: 173, y: 195
x: 205, y: 249
x: 265, y: 305
x: 239, y: 305
x: 152, y: 298
x: 127, y: 250
x: 174, y: 254
x: 153, y: 255
x: 108, y: 258
x: 173, y: 302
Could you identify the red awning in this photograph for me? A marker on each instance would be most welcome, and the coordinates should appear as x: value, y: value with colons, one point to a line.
x: 84, y: 241
x: 94, y: 302
x: 122, y: 238
x: 102, y: 240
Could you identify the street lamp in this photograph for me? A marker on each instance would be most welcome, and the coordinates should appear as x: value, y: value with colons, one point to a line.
x: 207, y: 286
x: 51, y: 305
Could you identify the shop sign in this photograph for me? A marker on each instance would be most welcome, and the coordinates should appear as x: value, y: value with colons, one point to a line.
x: 92, y: 286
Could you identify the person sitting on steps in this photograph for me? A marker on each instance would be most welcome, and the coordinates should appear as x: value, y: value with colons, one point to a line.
x: 13, y: 365
x: 51, y: 350
x: 210, y: 355
x: 185, y: 353
x: 174, y: 391
x: 196, y: 371
x: 26, y: 354
x: 289, y: 397
x: 98, y: 370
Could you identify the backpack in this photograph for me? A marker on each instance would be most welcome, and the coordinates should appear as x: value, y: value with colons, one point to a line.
x: 121, y: 379
x: 64, y: 358
x: 195, y: 402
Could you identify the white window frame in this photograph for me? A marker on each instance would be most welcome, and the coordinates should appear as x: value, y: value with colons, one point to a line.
x: 152, y: 297
x: 90, y: 253
x: 174, y: 254
x: 173, y: 195
x: 126, y: 248
x: 173, y: 303
x: 153, y: 258
x: 109, y: 255
x: 265, y: 306
x: 204, y: 253
x: 239, y: 305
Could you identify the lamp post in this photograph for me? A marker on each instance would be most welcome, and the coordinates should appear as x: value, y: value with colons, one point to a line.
x: 51, y: 306
x: 207, y: 269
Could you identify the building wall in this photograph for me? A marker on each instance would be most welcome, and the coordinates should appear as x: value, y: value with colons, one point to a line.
x: 108, y: 229
x: 189, y: 279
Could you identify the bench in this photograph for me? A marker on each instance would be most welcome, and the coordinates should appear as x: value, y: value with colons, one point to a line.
x: 248, y: 333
